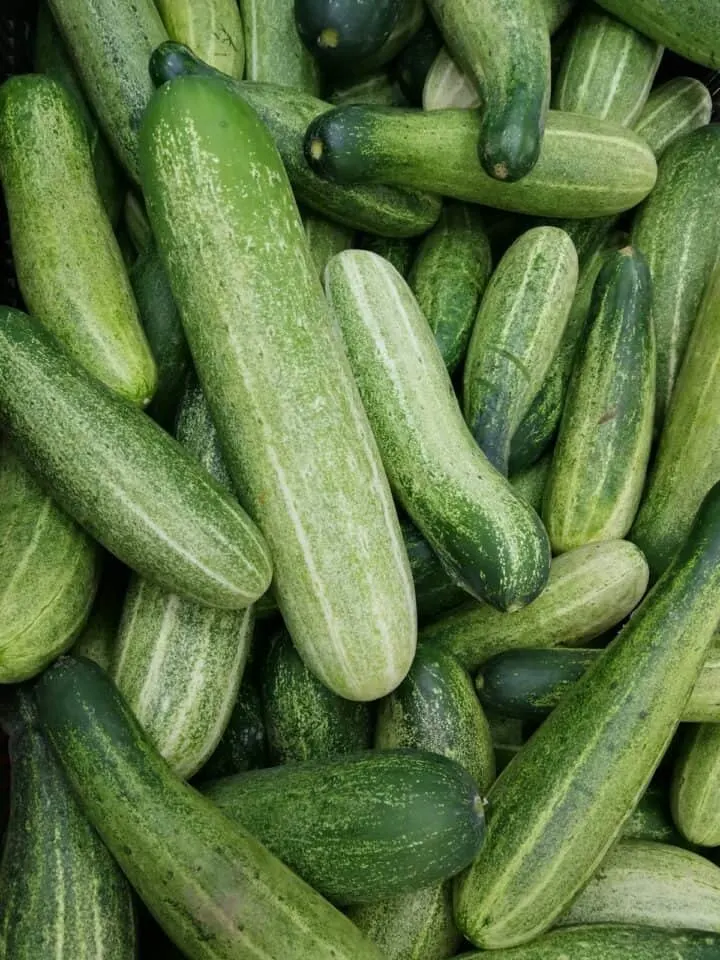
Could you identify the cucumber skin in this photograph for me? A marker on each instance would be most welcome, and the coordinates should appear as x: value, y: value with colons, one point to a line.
x: 274, y: 52
x: 398, y: 252
x: 665, y: 643
x: 607, y: 942
x: 435, y: 592
x: 488, y: 540
x: 672, y: 110
x: 243, y: 745
x: 316, y: 421
x: 61, y: 893
x: 212, y: 29
x: 651, y: 819
x: 69, y: 267
x: 696, y: 784
x: 194, y: 539
x: 325, y: 239
x: 530, y: 482
x: 178, y: 851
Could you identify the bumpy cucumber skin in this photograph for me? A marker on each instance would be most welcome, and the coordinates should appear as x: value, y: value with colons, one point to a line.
x: 696, y: 786
x: 488, y: 540
x: 274, y: 52
x: 123, y: 478
x: 512, y: 894
x: 61, y: 893
x: 519, y: 328
x: 672, y: 110
x: 295, y: 436
x: 607, y: 942
x: 243, y: 745
x: 212, y: 29
x: 449, y: 275
x: 325, y: 239
x: 69, y: 267
x: 590, y: 590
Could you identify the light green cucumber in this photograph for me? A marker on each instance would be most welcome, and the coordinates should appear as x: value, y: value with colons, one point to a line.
x: 449, y: 275
x: 488, y: 540
x: 695, y: 793
x: 590, y: 590
x: 397, y: 251
x: 274, y: 52
x: 295, y: 436
x: 212, y: 29
x: 672, y: 110
x: 530, y: 482
x: 325, y: 239
x: 68, y: 264
x: 608, y: 942
x: 518, y: 331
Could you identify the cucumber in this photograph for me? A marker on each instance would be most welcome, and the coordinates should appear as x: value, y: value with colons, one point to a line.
x: 518, y: 330
x: 61, y: 893
x: 287, y: 114
x: 603, y: 448
x: 110, y: 42
x: 212, y: 29
x: 696, y: 786
x: 488, y: 540
x: 678, y: 232
x: 325, y: 239
x: 449, y: 275
x: 606, y: 942
x: 136, y: 222
x: 215, y: 891
x: 123, y: 478
x: 48, y: 575
x: 378, y: 89
x: 68, y: 264
x: 435, y: 592
x: 97, y: 640
x: 364, y: 827
x: 291, y: 424
x: 395, y: 250
x: 587, y: 167
x: 593, y: 757
x: 530, y: 482
x: 274, y: 52
x: 413, y: 64
x: 590, y: 590
x: 243, y: 745
x: 672, y: 110
x: 651, y: 820
x: 607, y: 69
x: 303, y: 719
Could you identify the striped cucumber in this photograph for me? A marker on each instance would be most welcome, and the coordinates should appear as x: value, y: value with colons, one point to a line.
x: 678, y: 230
x: 397, y: 251
x: 67, y: 260
x: 212, y: 887
x: 695, y: 793
x: 295, y: 437
x: 274, y: 52
x: 243, y: 746
x: 590, y: 590
x: 519, y: 328
x: 593, y: 757
x: 602, y: 451
x: 435, y: 592
x: 449, y: 275
x: 61, y: 893
x: 212, y: 29
x: 608, y: 942
x: 587, y: 167
x: 123, y: 478
x: 672, y: 110
x: 489, y: 541
x: 325, y: 239
x: 530, y: 482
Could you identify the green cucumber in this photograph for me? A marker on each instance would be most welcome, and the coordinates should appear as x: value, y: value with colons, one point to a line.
x: 449, y: 275
x: 364, y: 827
x: 651, y: 819
x: 325, y: 239
x: 607, y: 69
x: 295, y: 437
x: 123, y: 478
x: 607, y: 942
x: 530, y: 482
x: 678, y: 232
x: 136, y: 222
x: 490, y: 542
x: 396, y: 251
x: 695, y: 793
x: 519, y: 328
x: 287, y: 114
x: 587, y: 167
x: 593, y: 757
x: 212, y: 29
x: 110, y: 42
x: 61, y: 893
x: 590, y: 590
x: 211, y: 886
x: 68, y: 264
x: 303, y: 719
x: 274, y: 52
x: 435, y: 592
x: 413, y: 64
x: 243, y: 746
x: 603, y: 448
x: 378, y: 88
x: 672, y: 110
x: 48, y: 575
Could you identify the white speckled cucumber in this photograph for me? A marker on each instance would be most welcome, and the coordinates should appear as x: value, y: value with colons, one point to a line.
x: 611, y: 942
x: 212, y: 29
x: 274, y: 52
x: 695, y: 794
x: 672, y: 110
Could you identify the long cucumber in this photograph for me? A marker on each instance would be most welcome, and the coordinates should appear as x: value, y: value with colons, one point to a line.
x: 274, y: 52
x: 212, y: 29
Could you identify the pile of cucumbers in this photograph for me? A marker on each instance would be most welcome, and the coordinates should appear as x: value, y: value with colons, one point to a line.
x: 360, y: 482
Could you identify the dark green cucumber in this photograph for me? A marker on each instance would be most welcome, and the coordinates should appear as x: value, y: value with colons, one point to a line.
x: 593, y: 757
x: 651, y: 819
x: 435, y: 592
x: 136, y: 221
x: 213, y: 30
x: 274, y: 52
x: 243, y: 745
x: 449, y: 275
x: 287, y: 114
x: 413, y: 64
x: 61, y: 893
x: 212, y: 887
x: 303, y: 719
x: 361, y: 828
x: 695, y: 793
x: 672, y: 110
x: 587, y: 167
x: 325, y: 239
x: 530, y: 482
x: 396, y: 251
x: 607, y: 942
x: 123, y: 478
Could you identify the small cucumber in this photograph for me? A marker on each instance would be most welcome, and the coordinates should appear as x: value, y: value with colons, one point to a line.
x: 243, y: 745
x: 672, y: 110
x: 325, y: 239
x: 212, y: 29
x: 274, y: 52
x: 530, y: 482
x: 519, y: 328
x: 488, y: 540
x: 695, y: 794
x: 396, y: 251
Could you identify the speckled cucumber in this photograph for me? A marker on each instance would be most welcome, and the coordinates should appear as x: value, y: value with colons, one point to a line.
x: 208, y: 883
x: 243, y: 746
x: 587, y: 167
x: 295, y: 436
x: 325, y: 239
x: 651, y: 819
x: 590, y: 590
x: 672, y: 110
x: 61, y: 893
x: 519, y: 328
x: 123, y: 478
x: 609, y: 942
x: 287, y: 113
x: 69, y: 267
x: 449, y: 275
x: 274, y: 52
x: 695, y: 793
x: 573, y: 767
x: 488, y: 540
x: 212, y: 29
x: 395, y: 250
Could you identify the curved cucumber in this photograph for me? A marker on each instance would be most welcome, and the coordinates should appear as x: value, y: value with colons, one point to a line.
x: 488, y: 540
x: 518, y: 330
x: 325, y: 239
x: 242, y: 747
x: 672, y: 110
x: 274, y: 52
x: 212, y: 29
x: 695, y: 794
